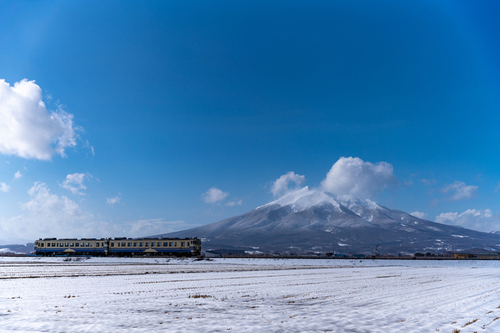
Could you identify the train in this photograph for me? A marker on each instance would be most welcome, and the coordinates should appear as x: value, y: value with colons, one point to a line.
x: 118, y: 246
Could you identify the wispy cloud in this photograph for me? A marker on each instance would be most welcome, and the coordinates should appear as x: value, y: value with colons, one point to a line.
x: 234, y: 203
x: 87, y: 145
x: 113, y: 201
x: 428, y: 181
x: 18, y: 175
x: 151, y: 227
x: 459, y: 191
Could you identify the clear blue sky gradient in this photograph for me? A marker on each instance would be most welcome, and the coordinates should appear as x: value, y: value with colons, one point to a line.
x: 177, y: 97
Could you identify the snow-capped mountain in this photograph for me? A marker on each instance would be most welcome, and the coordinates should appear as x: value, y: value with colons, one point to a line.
x: 312, y: 220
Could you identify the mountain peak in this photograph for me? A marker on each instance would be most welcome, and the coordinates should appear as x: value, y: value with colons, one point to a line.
x: 314, y: 220
x: 306, y: 197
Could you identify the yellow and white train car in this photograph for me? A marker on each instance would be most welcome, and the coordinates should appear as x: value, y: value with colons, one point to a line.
x: 118, y: 246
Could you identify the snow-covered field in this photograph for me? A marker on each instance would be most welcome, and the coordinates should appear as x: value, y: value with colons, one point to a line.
x: 248, y: 295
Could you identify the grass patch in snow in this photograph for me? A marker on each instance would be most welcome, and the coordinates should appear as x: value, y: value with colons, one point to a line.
x: 200, y: 296
x: 471, y: 322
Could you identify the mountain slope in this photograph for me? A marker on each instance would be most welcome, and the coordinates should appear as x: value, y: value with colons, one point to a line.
x: 311, y: 220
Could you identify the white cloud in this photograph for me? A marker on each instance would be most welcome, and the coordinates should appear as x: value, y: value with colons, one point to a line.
x: 420, y: 215
x: 280, y: 186
x: 87, y: 145
x: 4, y: 187
x: 460, y: 191
x: 482, y: 220
x: 151, y: 227
x: 17, y: 175
x: 74, y: 182
x: 214, y: 195
x: 27, y: 129
x: 49, y: 215
x: 428, y: 181
x: 361, y: 179
x: 234, y: 203
x: 112, y: 201
x: 45, y: 203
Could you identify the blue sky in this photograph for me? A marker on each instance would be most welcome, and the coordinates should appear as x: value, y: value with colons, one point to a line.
x: 163, y: 115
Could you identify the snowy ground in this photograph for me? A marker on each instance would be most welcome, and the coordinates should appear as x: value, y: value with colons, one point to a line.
x: 248, y: 295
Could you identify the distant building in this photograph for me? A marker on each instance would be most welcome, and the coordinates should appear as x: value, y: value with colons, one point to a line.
x: 488, y: 255
x: 462, y: 255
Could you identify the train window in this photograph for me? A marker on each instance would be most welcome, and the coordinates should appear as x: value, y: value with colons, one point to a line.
x: 129, y: 244
x: 81, y: 245
x: 146, y: 244
x: 124, y: 244
x: 153, y: 244
x: 165, y: 244
x: 66, y: 244
x: 71, y: 244
x: 41, y: 244
x: 96, y: 244
x: 112, y: 244
x: 140, y: 244
x: 183, y: 243
x: 53, y: 244
x: 77, y: 244
x: 86, y: 244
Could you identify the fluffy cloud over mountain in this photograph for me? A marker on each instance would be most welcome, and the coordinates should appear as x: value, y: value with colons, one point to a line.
x: 27, y: 128
x: 281, y: 186
x: 353, y: 176
x: 482, y: 220
x: 420, y: 215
